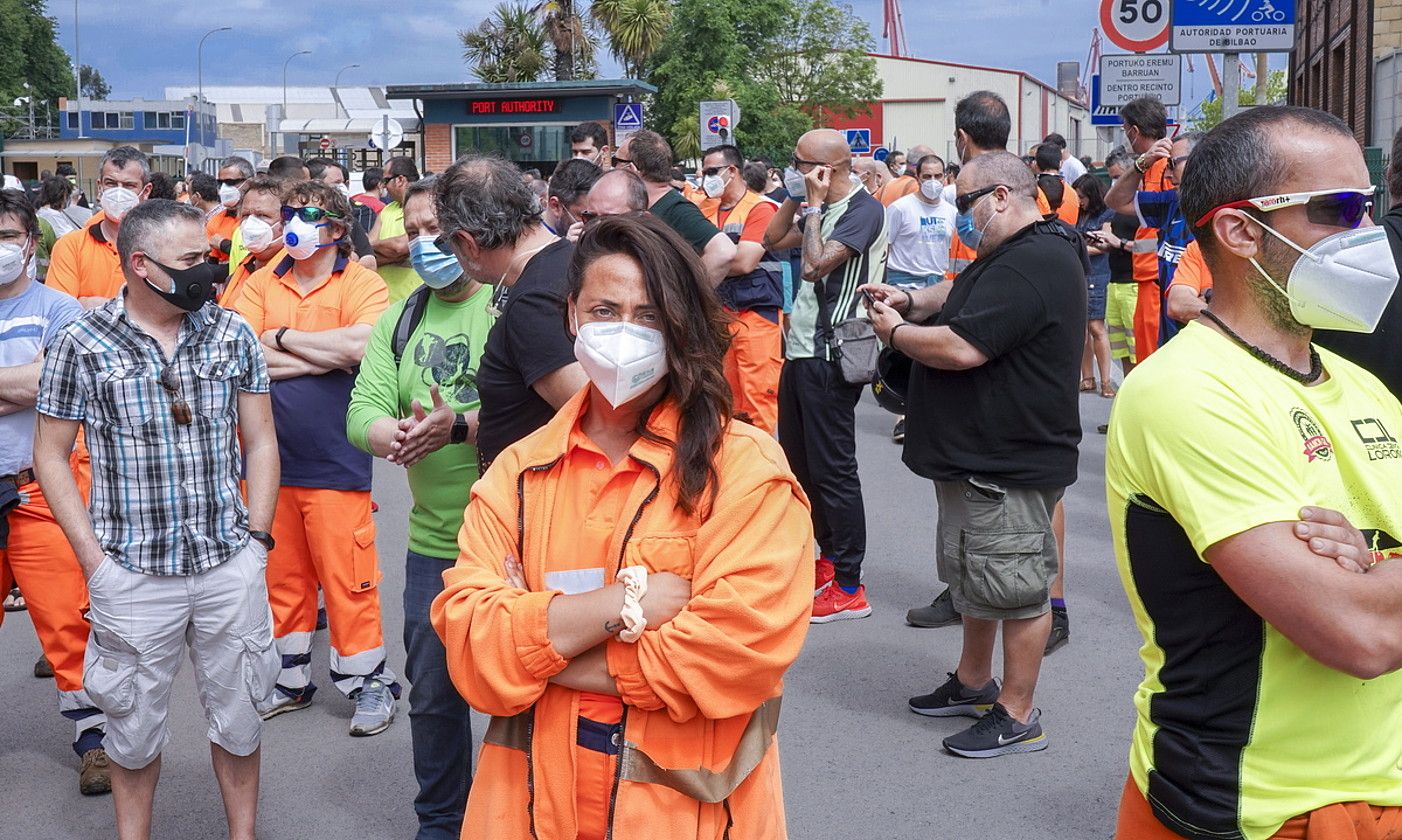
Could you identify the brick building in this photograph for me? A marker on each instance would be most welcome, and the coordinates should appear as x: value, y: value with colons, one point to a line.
x: 1346, y: 61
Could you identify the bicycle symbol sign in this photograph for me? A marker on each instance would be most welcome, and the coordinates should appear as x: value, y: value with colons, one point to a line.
x: 1233, y: 25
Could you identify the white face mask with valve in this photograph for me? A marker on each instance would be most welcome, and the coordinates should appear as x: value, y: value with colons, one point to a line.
x: 1342, y: 282
x: 622, y: 360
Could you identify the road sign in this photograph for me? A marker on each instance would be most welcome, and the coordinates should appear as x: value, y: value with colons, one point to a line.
x: 325, y: 143
x: 719, y: 117
x: 1136, y: 25
x: 628, y: 116
x: 388, y: 134
x: 1229, y: 26
x: 1101, y: 114
x: 1127, y: 77
x: 859, y: 140
x: 880, y: 153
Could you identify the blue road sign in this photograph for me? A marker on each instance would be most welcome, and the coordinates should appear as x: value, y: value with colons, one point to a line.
x: 628, y: 116
x: 1101, y: 114
x: 1233, y: 25
x: 880, y: 153
x: 859, y: 140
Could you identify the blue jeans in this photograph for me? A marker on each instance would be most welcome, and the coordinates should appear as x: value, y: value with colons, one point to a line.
x: 896, y: 277
x: 438, y: 716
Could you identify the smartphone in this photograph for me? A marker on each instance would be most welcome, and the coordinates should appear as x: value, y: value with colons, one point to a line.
x: 868, y: 297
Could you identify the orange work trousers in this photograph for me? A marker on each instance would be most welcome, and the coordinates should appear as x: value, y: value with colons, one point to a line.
x: 40, y: 561
x: 752, y: 367
x: 1146, y: 320
x: 327, y: 538
x: 1344, y: 821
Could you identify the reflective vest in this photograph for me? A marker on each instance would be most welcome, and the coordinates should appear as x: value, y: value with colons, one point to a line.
x: 762, y: 288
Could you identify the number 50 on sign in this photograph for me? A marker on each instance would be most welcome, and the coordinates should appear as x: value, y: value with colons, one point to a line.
x: 1135, y: 25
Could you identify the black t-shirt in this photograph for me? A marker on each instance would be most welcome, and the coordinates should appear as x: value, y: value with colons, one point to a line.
x: 685, y: 218
x: 1378, y: 352
x: 1125, y: 226
x: 1016, y: 418
x: 527, y: 343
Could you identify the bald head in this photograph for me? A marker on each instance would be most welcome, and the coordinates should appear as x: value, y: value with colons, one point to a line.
x: 826, y: 146
x: 999, y: 168
x: 917, y: 152
x: 617, y: 191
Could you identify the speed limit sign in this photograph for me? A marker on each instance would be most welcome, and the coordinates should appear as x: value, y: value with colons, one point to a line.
x: 1135, y: 25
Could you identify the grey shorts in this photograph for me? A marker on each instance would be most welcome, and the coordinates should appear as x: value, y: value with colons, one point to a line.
x: 995, y: 547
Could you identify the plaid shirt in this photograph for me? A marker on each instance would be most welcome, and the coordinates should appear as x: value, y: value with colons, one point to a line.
x: 165, y: 497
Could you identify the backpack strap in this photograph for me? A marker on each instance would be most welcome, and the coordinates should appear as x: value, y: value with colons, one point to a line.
x: 409, y: 319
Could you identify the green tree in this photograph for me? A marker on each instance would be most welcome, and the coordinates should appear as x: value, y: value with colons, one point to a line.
x: 635, y: 29
x: 1211, y: 112
x: 32, y: 54
x: 571, y: 43
x: 820, y: 61
x: 94, y: 86
x: 507, y: 47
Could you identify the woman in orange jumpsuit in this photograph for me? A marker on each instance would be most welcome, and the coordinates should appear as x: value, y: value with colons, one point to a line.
x: 643, y: 709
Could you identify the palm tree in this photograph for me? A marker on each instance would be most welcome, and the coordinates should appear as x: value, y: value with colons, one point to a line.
x: 507, y: 47
x: 635, y: 29
x: 569, y: 35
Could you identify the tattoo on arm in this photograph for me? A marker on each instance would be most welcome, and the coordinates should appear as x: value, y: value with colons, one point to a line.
x: 612, y: 627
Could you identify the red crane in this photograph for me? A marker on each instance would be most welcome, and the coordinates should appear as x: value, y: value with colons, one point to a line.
x: 893, y: 30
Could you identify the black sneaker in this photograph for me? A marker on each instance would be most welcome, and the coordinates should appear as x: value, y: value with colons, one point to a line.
x: 940, y: 613
x: 1060, y: 631
x: 953, y: 699
x: 997, y: 733
x: 898, y: 433
x: 1103, y: 428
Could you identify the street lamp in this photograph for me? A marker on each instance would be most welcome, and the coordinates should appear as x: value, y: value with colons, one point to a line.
x: 337, y: 83
x: 199, y: 99
x: 284, y: 86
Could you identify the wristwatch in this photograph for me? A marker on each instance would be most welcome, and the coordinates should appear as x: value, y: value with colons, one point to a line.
x: 263, y: 537
x: 811, y: 211
x: 460, y: 429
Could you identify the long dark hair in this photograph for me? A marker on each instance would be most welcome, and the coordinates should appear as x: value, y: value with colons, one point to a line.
x: 1090, y: 187
x: 697, y: 332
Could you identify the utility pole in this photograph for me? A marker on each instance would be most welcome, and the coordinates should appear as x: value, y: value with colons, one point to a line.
x: 1263, y: 73
x: 1231, y: 85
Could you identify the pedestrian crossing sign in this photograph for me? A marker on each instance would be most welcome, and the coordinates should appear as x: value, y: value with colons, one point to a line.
x: 628, y: 116
x: 859, y: 140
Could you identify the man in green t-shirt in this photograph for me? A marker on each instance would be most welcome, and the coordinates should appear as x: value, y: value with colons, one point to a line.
x: 389, y: 236
x: 1272, y: 695
x: 420, y: 411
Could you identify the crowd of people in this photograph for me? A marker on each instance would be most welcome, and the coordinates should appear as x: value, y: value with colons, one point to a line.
x: 625, y: 405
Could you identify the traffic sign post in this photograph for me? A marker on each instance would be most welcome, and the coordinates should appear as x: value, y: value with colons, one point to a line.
x: 1136, y: 25
x: 388, y: 134
x: 1101, y: 114
x: 719, y: 117
x: 880, y: 153
x: 1127, y: 77
x: 1233, y: 26
x: 627, y: 121
x: 859, y: 140
x: 325, y: 144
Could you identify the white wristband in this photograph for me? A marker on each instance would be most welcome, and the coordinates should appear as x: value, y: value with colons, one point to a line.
x: 634, y: 580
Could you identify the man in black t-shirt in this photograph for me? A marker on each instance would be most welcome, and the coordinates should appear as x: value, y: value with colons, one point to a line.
x: 651, y: 157
x: 993, y: 420
x: 491, y: 221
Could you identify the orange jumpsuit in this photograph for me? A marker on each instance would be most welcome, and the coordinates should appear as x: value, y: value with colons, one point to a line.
x: 699, y: 695
x: 1146, y: 272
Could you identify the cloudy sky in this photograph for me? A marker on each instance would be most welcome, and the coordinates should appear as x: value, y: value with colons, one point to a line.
x: 416, y: 42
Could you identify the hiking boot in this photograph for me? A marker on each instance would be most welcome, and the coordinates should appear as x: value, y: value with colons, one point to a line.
x: 43, y: 670
x: 833, y: 604
x: 823, y: 574
x: 997, y: 733
x: 282, y: 701
x: 953, y: 698
x: 94, y: 776
x: 1060, y: 631
x: 374, y: 709
x: 940, y: 613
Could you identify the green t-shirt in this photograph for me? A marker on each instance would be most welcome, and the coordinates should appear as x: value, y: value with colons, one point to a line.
x: 401, y: 279
x: 444, y: 350
x: 1238, y: 729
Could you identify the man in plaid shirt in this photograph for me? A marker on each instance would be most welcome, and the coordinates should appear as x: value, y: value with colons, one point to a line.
x: 164, y: 384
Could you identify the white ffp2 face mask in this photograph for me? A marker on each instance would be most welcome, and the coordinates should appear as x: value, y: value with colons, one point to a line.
x: 117, y: 202
x: 1342, y: 282
x: 622, y: 360
x: 12, y: 263
x: 229, y: 195
x: 257, y: 234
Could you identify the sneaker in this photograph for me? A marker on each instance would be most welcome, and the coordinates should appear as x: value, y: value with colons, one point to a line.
x: 374, y: 709
x: 997, y: 733
x: 824, y: 572
x: 835, y: 605
x: 940, y: 613
x: 14, y: 601
x: 282, y: 702
x: 898, y: 433
x: 953, y: 699
x: 94, y: 776
x: 1060, y: 631
x: 43, y: 670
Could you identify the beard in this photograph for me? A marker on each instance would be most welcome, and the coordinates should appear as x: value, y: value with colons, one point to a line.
x: 455, y: 288
x: 1277, y: 259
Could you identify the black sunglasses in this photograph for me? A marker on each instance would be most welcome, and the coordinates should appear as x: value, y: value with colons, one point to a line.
x: 964, y: 202
x: 232, y: 182
x: 714, y: 170
x: 310, y: 215
x: 619, y: 161
x: 179, y: 409
x: 797, y: 161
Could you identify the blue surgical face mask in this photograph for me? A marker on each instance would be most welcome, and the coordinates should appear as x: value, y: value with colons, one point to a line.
x: 969, y: 233
x: 439, y: 270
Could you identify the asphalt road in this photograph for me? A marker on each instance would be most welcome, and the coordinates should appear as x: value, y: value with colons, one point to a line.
x: 856, y: 762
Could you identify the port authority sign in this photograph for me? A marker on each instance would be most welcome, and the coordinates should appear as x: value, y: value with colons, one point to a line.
x: 1229, y: 26
x: 1127, y: 77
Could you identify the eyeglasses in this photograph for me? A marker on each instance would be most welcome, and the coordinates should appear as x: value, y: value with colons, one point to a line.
x: 1334, y: 208
x: 799, y: 162
x: 621, y: 161
x: 232, y: 182
x: 310, y: 215
x: 964, y: 202
x: 588, y: 216
x: 179, y: 409
x: 1179, y: 160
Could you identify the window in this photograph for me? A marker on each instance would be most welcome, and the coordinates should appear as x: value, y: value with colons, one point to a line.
x: 1338, y: 83
x: 73, y: 120
x: 125, y: 119
x: 177, y: 119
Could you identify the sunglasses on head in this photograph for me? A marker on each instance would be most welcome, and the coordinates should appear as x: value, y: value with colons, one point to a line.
x: 179, y: 409
x: 1344, y: 208
x: 310, y: 215
x: 963, y: 202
